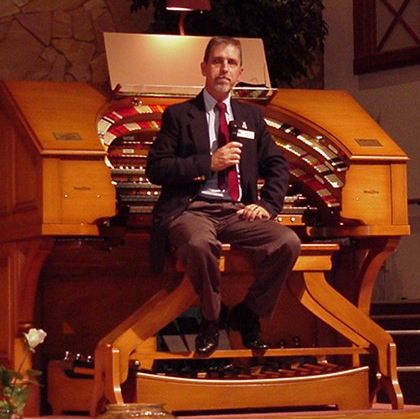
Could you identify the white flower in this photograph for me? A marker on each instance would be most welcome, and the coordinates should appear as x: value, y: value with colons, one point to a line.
x: 34, y: 337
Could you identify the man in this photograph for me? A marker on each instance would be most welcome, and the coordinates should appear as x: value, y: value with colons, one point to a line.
x: 195, y: 213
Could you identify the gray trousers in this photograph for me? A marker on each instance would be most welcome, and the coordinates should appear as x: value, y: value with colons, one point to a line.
x: 197, y: 236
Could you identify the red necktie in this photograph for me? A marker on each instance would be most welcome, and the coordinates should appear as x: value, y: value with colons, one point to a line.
x: 230, y: 174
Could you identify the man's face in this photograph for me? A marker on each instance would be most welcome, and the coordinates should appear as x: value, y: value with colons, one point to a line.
x: 222, y: 71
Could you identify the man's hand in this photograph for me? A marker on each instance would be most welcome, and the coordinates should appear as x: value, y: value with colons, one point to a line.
x: 226, y: 156
x: 253, y: 212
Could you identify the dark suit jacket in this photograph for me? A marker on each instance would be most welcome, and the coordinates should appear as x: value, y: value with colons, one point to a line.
x: 179, y: 160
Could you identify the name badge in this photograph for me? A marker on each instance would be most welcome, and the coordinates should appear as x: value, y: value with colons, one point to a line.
x: 243, y: 133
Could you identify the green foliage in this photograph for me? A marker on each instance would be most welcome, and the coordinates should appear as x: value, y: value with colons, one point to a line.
x: 293, y: 31
x: 14, y: 389
x: 14, y: 386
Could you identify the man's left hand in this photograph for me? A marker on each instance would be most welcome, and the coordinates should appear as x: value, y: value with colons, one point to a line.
x: 253, y: 212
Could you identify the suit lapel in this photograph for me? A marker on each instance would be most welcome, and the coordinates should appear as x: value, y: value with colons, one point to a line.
x: 238, y: 114
x: 198, y: 125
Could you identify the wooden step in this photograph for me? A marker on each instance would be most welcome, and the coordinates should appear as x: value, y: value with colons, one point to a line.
x: 188, y: 394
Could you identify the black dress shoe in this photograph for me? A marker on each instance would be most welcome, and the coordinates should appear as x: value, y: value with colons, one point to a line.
x: 207, y: 340
x: 244, y: 320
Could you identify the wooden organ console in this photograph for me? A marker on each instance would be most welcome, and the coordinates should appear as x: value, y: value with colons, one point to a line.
x: 347, y: 201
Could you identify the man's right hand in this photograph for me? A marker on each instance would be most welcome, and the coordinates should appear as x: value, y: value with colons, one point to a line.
x: 226, y: 156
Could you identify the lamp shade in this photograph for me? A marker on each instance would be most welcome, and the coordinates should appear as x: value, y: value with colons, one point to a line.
x: 188, y: 5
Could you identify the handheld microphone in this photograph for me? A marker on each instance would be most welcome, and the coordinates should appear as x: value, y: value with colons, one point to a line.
x: 233, y: 131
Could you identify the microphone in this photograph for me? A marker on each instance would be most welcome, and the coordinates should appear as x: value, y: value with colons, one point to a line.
x: 233, y: 131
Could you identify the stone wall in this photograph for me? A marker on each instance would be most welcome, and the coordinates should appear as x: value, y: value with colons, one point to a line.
x: 62, y: 40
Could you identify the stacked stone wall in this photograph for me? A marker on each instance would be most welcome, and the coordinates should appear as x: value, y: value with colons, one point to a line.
x: 62, y: 40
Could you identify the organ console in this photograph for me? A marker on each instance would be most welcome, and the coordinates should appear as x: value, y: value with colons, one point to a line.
x: 66, y: 187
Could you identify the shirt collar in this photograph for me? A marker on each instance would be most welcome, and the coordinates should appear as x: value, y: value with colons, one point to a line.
x: 210, y: 102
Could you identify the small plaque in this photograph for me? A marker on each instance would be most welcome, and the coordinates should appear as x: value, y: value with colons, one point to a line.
x: 67, y: 136
x: 368, y: 142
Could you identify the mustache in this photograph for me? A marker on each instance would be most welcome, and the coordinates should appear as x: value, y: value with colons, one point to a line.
x: 223, y: 78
